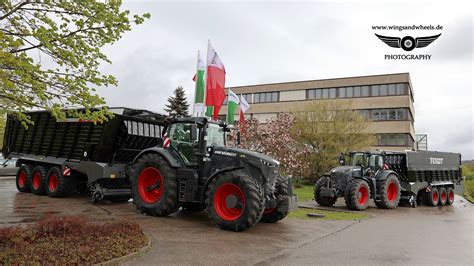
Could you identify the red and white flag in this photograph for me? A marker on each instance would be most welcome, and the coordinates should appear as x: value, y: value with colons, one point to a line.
x: 215, y: 84
x: 244, y: 106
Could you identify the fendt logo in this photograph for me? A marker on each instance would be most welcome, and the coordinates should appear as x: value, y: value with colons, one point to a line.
x: 436, y: 160
x: 408, y: 43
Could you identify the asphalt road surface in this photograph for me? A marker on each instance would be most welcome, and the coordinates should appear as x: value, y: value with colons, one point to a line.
x: 424, y: 235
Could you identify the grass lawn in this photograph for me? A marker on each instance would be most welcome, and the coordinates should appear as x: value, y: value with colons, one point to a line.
x: 304, y: 193
x: 330, y: 215
x: 469, y: 189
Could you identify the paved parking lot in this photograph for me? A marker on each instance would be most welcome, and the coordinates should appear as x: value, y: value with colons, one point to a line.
x: 405, y: 235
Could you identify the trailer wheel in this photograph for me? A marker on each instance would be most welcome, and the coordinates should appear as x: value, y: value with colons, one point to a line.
x: 273, y: 215
x: 432, y: 197
x: 323, y: 201
x: 235, y: 201
x: 357, y: 195
x: 57, y: 185
x: 38, y: 180
x: 154, y: 186
x: 443, y: 196
x: 23, y: 178
x: 450, y: 198
x: 389, y: 190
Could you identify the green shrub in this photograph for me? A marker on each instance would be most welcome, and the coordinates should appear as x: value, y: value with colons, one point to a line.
x: 69, y: 240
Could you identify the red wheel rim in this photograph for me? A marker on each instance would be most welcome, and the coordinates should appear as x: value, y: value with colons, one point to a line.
x: 53, y: 182
x: 269, y: 210
x: 392, y: 192
x: 435, y: 196
x: 220, y: 204
x: 150, y: 185
x: 36, y: 182
x: 363, y: 195
x: 443, y: 196
x: 22, y: 179
x: 451, y: 196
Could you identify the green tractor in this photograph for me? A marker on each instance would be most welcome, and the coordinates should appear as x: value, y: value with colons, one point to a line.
x: 195, y: 170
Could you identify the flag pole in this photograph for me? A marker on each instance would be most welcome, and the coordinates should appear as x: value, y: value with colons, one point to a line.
x: 196, y: 112
x: 205, y: 77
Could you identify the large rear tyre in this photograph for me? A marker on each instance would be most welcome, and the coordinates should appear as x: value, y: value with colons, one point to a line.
x: 389, y: 190
x: 57, y: 185
x: 234, y: 201
x: 273, y: 215
x: 443, y: 196
x: 357, y: 195
x: 450, y: 193
x: 38, y: 180
x: 323, y: 200
x: 432, y: 197
x: 23, y: 178
x: 154, y: 186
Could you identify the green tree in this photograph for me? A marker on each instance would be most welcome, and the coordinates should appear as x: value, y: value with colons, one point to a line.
x: 3, y: 121
x: 329, y: 128
x: 50, y: 53
x: 177, y: 104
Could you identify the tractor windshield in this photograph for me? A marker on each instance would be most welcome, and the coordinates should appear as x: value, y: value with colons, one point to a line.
x: 215, y: 135
x: 359, y: 159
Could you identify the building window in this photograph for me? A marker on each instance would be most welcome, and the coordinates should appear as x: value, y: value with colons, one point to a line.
x: 266, y: 97
x: 391, y: 89
x: 401, y: 89
x: 310, y: 94
x: 399, y: 139
x: 325, y: 93
x: 357, y: 92
x: 375, y: 90
x: 342, y: 92
x: 332, y: 93
x: 383, y: 90
x: 365, y: 91
x: 349, y: 92
x: 390, y: 114
x: 247, y: 97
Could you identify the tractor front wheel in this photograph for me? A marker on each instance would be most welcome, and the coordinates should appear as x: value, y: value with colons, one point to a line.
x: 235, y: 201
x: 154, y: 186
x: 273, y: 215
x: 357, y: 195
x: 323, y: 200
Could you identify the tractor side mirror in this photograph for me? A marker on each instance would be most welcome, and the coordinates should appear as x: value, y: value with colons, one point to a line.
x: 194, y: 132
x: 238, y: 137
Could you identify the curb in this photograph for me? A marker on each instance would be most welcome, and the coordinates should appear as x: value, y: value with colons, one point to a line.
x: 116, y: 261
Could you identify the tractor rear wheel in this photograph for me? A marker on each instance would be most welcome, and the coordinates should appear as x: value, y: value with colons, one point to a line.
x: 389, y: 190
x: 443, y: 196
x: 235, y: 201
x: 57, y: 185
x: 357, y: 195
x: 323, y: 200
x: 432, y: 197
x: 154, y: 186
x: 23, y: 178
x: 273, y: 215
x: 450, y: 193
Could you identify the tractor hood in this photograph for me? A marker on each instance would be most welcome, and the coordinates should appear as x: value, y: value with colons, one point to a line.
x: 252, y: 155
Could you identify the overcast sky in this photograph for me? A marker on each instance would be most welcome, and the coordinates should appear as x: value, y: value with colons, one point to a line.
x: 269, y: 42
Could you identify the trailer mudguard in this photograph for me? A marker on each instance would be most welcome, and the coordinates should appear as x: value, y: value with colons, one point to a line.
x: 173, y: 161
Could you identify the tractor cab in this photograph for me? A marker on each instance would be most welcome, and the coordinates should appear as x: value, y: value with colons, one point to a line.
x: 369, y: 162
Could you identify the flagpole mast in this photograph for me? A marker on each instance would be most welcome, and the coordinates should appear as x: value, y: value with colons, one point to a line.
x: 205, y: 76
x: 195, y: 112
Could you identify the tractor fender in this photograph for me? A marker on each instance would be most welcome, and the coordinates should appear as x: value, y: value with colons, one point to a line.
x: 214, y: 176
x: 385, y: 174
x: 175, y: 163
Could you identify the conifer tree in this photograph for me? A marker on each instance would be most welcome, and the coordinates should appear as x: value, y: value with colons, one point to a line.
x: 177, y: 104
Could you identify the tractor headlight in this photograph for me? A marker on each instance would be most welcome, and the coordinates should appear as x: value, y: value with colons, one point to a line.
x: 269, y: 164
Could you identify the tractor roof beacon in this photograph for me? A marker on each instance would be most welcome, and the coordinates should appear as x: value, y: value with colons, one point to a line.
x: 409, y: 177
x: 194, y: 169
